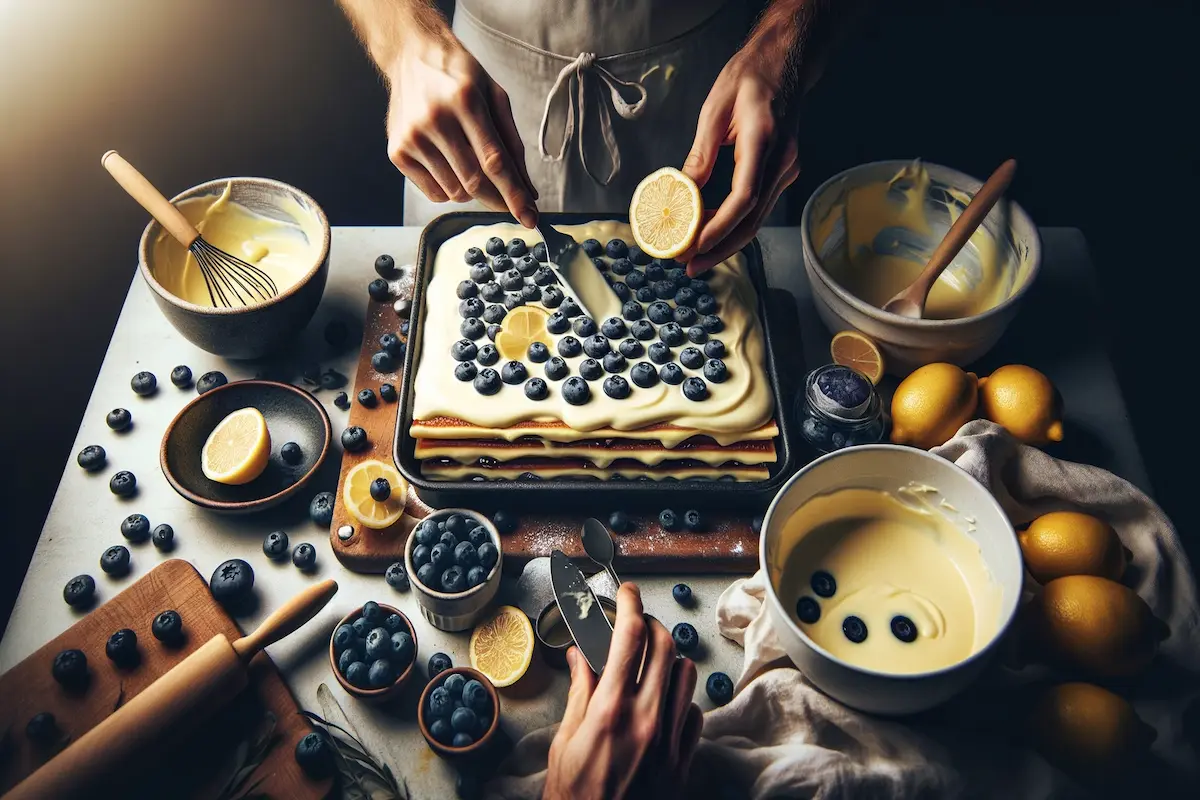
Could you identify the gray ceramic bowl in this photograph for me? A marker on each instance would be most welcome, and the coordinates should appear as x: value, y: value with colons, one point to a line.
x: 461, y: 610
x: 259, y: 329
x: 908, y: 343
x: 888, y: 467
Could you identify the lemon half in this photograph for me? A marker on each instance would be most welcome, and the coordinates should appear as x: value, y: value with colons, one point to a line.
x: 356, y: 494
x: 237, y: 450
x: 502, y: 646
x: 523, y: 326
x: 665, y: 213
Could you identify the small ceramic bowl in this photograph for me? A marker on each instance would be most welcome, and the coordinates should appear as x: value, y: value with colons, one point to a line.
x: 888, y: 467
x: 423, y: 720
x: 255, y: 330
x: 553, y: 636
x: 460, y: 611
x: 292, y: 415
x: 387, y: 693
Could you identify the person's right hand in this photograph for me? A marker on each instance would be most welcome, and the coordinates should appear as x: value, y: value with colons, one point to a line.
x: 622, y: 731
x: 451, y: 131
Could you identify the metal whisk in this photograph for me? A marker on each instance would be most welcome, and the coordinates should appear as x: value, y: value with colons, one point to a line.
x: 228, y: 278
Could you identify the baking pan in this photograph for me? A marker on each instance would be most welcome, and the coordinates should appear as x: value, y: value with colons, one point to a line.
x: 576, y: 493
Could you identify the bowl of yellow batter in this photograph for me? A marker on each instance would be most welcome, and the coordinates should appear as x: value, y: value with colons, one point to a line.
x: 270, y: 224
x: 869, y: 231
x: 892, y: 575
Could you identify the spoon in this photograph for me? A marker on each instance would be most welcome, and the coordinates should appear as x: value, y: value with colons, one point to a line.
x: 911, y: 302
x: 599, y: 546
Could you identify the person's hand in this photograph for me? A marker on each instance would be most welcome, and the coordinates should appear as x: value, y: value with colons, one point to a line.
x: 451, y: 131
x: 623, y: 733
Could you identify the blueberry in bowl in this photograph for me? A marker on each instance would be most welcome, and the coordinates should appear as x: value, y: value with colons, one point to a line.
x: 372, y: 651
x: 458, y: 713
x: 453, y: 560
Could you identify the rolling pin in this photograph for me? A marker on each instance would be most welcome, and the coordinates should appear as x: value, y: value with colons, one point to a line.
x: 188, y: 694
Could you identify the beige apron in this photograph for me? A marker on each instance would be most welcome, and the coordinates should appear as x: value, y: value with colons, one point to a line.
x: 594, y: 124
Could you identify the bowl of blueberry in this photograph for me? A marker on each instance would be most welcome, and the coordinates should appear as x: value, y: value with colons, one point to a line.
x: 459, y: 712
x: 453, y: 558
x: 372, y: 651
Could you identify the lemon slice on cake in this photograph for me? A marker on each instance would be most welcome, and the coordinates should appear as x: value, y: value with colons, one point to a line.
x: 237, y: 450
x: 665, y: 213
x: 376, y: 509
x: 502, y: 646
x: 523, y: 326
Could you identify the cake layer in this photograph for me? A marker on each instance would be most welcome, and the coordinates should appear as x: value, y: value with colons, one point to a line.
x: 573, y: 468
x: 667, y: 435
x: 599, y: 453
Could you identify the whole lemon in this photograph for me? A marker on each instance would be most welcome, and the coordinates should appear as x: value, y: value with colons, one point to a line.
x: 1087, y: 731
x: 931, y: 404
x: 1094, y: 625
x: 1070, y: 543
x: 1024, y: 402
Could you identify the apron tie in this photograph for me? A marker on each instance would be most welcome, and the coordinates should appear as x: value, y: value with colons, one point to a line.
x: 577, y: 71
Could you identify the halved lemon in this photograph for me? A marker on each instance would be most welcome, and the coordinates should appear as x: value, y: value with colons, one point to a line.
x: 856, y: 351
x: 237, y: 450
x: 502, y: 646
x: 356, y: 494
x: 523, y: 326
x: 665, y: 213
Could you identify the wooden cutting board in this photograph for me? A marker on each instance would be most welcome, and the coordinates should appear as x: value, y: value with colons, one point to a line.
x: 196, y: 766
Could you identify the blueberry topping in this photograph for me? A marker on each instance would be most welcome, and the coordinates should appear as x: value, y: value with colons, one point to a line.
x: 614, y: 328
x: 636, y: 280
x: 320, y: 510
x: 354, y: 439
x: 619, y: 522
x: 697, y: 334
x: 144, y: 384
x: 123, y: 484
x: 631, y: 348
x: 622, y: 266
x: 383, y: 362
x: 167, y: 627
x: 304, y: 557
x: 552, y: 297
x: 614, y: 362
x: 823, y: 584
x: 381, y: 490
x: 659, y: 313
x: 121, y: 648
x: 655, y: 271
x: 530, y: 293
x: 845, y: 387
x: 119, y: 419
x: 575, y: 390
x: 854, y: 629
x: 685, y: 315
x: 596, y: 346
x: 181, y: 376
x: 664, y: 289
x: 538, y: 353
x: 539, y: 252
x: 616, y: 248
x: 387, y: 393
x: 70, y: 669
x: 454, y: 580
x: 904, y: 629
x: 232, y: 582
x: 495, y: 314
x: 682, y: 594
x: 685, y: 636
x: 643, y: 374
x: 465, y: 371
x: 527, y: 265
x: 536, y: 389
x: 367, y: 399
x: 80, y: 591
x: 512, y: 280
x: 275, y: 545
x: 466, y: 289
x: 706, y: 304
x: 719, y: 688
x: 590, y: 370
x: 92, y: 458
x: 668, y: 520
x: 693, y: 521
x: 471, y: 307
x: 659, y: 353
x: 502, y: 263
x: 715, y: 370
x: 808, y: 610
x: 584, y: 326
x: 487, y: 382
x: 543, y: 276
x: 463, y: 350
x: 341, y: 400
x: 616, y: 387
x: 671, y: 374
x: 570, y: 308
x: 671, y: 334
x: 493, y: 331
x: 714, y: 348
x: 513, y: 372
x: 492, y: 292
x: 712, y: 323
x: 488, y: 355
x: 494, y: 246
x: 473, y: 256
x: 695, y: 389
x: 379, y: 290
x: 642, y: 330
x: 622, y: 292
x: 645, y: 294
x: 632, y: 310
x: 163, y: 537
x: 516, y: 248
x: 558, y: 322
x: 600, y: 264
x: 592, y: 247
x: 691, y: 358
x: 556, y: 369
x: 481, y: 274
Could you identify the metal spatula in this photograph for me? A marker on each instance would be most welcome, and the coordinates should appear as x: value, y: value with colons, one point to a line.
x: 578, y: 276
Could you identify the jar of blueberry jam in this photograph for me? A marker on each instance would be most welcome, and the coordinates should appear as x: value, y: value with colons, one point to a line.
x: 839, y: 408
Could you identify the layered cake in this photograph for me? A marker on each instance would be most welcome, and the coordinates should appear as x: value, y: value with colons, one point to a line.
x: 514, y: 379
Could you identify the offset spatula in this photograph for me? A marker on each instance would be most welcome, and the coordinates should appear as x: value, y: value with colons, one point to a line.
x: 579, y: 277
x: 581, y: 611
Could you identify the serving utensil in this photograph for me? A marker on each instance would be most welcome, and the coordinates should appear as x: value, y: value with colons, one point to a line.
x: 581, y: 611
x: 599, y: 546
x: 578, y: 275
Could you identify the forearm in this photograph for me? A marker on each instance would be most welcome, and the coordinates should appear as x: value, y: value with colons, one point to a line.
x: 796, y: 37
x: 387, y: 27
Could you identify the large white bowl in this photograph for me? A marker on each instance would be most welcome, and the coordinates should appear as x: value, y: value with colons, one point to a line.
x: 911, y: 343
x: 888, y: 467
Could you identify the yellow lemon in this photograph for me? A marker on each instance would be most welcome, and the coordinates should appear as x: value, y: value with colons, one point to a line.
x: 856, y: 351
x: 523, y: 326
x: 1070, y: 543
x: 665, y: 213
x: 1094, y: 625
x: 1024, y: 402
x: 931, y: 404
x: 237, y: 450
x: 376, y: 509
x: 1087, y: 731
x: 502, y: 646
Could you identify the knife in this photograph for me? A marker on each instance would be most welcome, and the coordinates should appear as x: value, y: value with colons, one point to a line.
x: 582, y: 612
x: 578, y: 275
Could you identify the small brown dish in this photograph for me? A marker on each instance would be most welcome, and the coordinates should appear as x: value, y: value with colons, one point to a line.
x: 423, y: 721
x: 292, y: 415
x: 389, y: 692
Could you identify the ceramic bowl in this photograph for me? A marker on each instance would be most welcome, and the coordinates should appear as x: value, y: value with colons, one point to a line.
x: 387, y: 693
x: 910, y: 343
x: 255, y: 330
x: 889, y: 467
x: 423, y: 720
x: 459, y: 611
x: 292, y: 415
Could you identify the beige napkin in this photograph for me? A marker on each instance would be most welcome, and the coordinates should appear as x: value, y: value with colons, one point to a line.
x: 780, y: 737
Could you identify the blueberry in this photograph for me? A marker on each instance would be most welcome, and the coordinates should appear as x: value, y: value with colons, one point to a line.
x: 440, y: 728
x: 636, y: 255
x: 42, y: 729
x: 372, y: 613
x: 454, y: 580
x: 676, y: 274
x: 697, y: 335
x: 392, y: 343
x: 474, y: 256
x: 343, y: 638
x: 354, y: 439
x: 465, y: 289
x: 314, y: 754
x: 115, y: 561
x: 539, y: 252
x: 642, y: 330
x: 516, y: 247
x: 505, y: 522
x: 691, y: 357
x: 592, y: 247
x: 492, y: 292
x: 569, y: 347
x: 167, y: 627
x: 756, y: 524
x: 556, y: 368
x: 332, y: 379
x: 618, y: 521
x: 476, y: 576
x: 685, y: 636
x: 590, y: 369
x: 458, y: 525
x: 70, y: 668
x: 712, y: 323
x: 482, y: 274
x: 123, y: 484
x: 695, y: 389
x: 502, y: 263
x: 631, y: 311
x: 715, y: 348
x: 478, y: 535
x: 844, y: 386
x: 465, y: 555
x: 584, y: 326
x: 80, y: 591
x: 538, y: 352
x: 379, y: 290
x: 514, y: 372
x: 528, y: 265
x: 488, y: 355
x: 823, y: 584
x: 367, y: 399
x: 494, y: 246
x: 463, y: 720
x: 671, y: 374
x: 596, y: 346
x: 659, y: 353
x: 387, y: 393
x: 808, y: 610
x: 659, y: 313
x: 290, y: 453
x: 427, y: 574
x: 351, y: 654
x: 379, y: 642
x: 558, y: 323
x: 671, y: 334
x: 530, y: 293
x: 394, y: 622
x: 488, y: 555
x: 358, y: 674
x: 682, y: 594
x: 512, y: 280
x: 471, y: 307
x: 693, y: 521
x: 232, y: 582
x: 427, y: 533
x: 92, y: 458
x: 706, y: 304
x: 684, y: 315
x: 487, y: 382
x: 454, y: 685
x: 536, y: 389
x: 854, y: 629
x: 719, y: 688
x: 438, y: 662
x: 475, y: 697
x: 511, y: 300
x: 381, y: 490
x: 383, y: 362
x: 361, y: 628
x: 144, y: 384
x: 304, y: 557
x: 119, y: 419
x: 643, y: 374
x: 181, y: 376
x: 163, y: 537
x: 570, y: 308
x: 441, y: 555
x: 715, y: 370
x: 616, y: 387
x: 552, y: 297
x: 614, y: 362
x: 904, y: 629
x: 575, y: 390
x: 121, y: 648
x: 622, y: 266
x: 645, y: 294
x: 401, y: 649
x: 655, y: 271
x: 614, y: 328
x: 664, y: 289
x: 320, y: 510
x: 462, y: 739
x: 342, y: 401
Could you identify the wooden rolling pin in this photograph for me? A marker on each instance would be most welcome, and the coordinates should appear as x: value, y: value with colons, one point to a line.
x: 188, y: 694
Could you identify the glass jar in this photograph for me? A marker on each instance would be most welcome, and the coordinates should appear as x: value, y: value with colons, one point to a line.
x: 838, y: 408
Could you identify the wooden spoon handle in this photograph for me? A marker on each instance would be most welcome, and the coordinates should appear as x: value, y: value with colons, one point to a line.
x: 151, y: 199
x: 286, y: 619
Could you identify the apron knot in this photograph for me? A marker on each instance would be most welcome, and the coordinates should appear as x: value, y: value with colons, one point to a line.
x: 576, y: 73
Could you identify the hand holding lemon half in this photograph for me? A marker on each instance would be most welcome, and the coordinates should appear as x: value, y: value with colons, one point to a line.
x: 665, y: 213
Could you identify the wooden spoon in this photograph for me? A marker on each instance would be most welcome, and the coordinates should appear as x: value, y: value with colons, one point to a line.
x: 911, y: 302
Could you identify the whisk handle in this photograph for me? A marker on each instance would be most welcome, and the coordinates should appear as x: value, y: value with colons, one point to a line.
x: 151, y: 199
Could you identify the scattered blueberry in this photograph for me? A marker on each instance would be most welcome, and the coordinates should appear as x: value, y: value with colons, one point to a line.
x: 383, y: 362
x: 392, y: 343
x: 575, y: 389
x: 596, y: 346
x: 823, y: 584
x: 387, y: 392
x: 487, y: 382
x: 397, y: 577
x: 659, y: 353
x: 115, y: 561
x: 314, y: 753
x: 643, y: 374
x: 80, y: 591
x: 320, y: 510
x: 42, y: 729
x: 715, y: 370
x: 380, y: 490
x: 631, y: 348
x: 668, y: 520
x: 685, y: 636
x: 615, y: 386
x: 691, y: 357
x: 854, y: 629
x: 719, y: 688
x: 512, y: 280
x: 471, y: 307
x: 465, y: 371
x: 144, y: 384
x: 163, y: 537
x: 454, y: 580
x: 232, y: 582
x: 290, y: 453
x: 530, y: 293
x: 645, y: 295
x: 569, y: 347
x: 808, y: 610
x: 119, y: 419
x: 570, y: 308
x: 354, y: 439
x: 590, y: 369
x: 619, y: 522
x: 168, y: 628
x: 664, y: 289
x: 714, y: 348
x: 385, y: 265
x: 181, y: 376
x: 502, y: 263
x: 92, y: 458
x: 123, y: 484
x: 492, y: 292
x: 121, y: 648
x: 472, y: 328
x: 693, y: 521
x: 904, y: 629
x: 552, y: 297
x: 671, y: 374
x: 438, y: 662
x: 655, y: 271
x: 379, y: 290
x: 682, y: 594
x: 332, y: 379
x: 505, y: 522
x: 584, y: 326
x: 341, y: 400
x: 513, y: 372
x: 558, y: 322
x: 695, y: 389
x: 517, y: 248
x: 304, y: 556
x: 592, y: 247
x: 70, y: 668
x: 135, y: 528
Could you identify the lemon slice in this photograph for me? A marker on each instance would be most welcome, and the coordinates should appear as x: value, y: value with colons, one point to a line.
x: 356, y: 494
x: 502, y: 646
x: 856, y: 351
x: 523, y: 326
x: 237, y: 450
x: 665, y: 213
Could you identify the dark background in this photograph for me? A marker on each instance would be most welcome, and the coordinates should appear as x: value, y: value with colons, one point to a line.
x: 1097, y: 107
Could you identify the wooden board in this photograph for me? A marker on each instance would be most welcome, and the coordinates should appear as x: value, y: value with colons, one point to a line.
x: 199, y: 764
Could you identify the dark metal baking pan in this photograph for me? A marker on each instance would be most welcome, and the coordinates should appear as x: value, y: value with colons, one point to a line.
x: 574, y: 493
